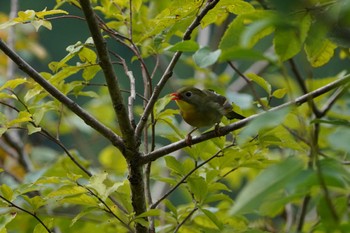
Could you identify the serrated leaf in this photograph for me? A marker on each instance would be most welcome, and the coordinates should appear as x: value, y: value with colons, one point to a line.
x: 271, y: 180
x: 204, y: 57
x: 97, y: 183
x: 260, y: 81
x: 184, y: 46
x: 320, y: 53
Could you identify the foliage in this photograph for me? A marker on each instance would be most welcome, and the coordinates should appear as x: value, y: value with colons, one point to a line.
x: 79, y: 153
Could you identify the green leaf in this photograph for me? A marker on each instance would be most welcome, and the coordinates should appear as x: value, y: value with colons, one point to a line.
x: 280, y: 93
x: 82, y: 214
x: 319, y: 53
x: 90, y: 72
x: 198, y: 187
x: 184, y: 46
x: 271, y: 180
x: 233, y: 34
x: 235, y: 53
x: 149, y: 213
x: 7, y: 192
x: 6, y: 218
x: 204, y: 57
x: 13, y: 83
x: 22, y: 117
x: 97, y: 183
x: 66, y: 191
x: 32, y: 129
x: 290, y: 37
x: 174, y: 165
x: 332, y: 122
x: 87, y: 55
x: 42, y: 14
x: 24, y: 16
x: 213, y: 218
x: 35, y: 202
x: 263, y: 123
x: 260, y: 81
x: 39, y: 228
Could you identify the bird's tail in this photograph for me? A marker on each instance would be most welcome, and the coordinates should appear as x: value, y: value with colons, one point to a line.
x: 233, y: 115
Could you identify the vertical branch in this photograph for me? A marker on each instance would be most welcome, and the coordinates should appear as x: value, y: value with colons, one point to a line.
x: 110, y: 76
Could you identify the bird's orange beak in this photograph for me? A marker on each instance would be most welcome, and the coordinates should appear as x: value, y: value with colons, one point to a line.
x: 175, y: 96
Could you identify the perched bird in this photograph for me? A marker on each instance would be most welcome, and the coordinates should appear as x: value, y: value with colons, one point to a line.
x: 203, y: 108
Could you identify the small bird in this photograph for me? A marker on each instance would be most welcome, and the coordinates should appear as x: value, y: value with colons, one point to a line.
x: 203, y: 108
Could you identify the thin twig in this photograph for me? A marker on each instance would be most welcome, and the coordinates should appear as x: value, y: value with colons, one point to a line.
x: 108, y: 209
x: 26, y: 211
x: 185, y: 219
x: 217, y: 154
x: 249, y: 83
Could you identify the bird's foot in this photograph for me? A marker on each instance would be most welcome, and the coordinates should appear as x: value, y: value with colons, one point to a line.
x: 217, y: 130
x: 188, y: 140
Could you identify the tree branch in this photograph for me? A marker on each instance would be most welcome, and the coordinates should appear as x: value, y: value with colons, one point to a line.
x: 169, y: 70
x: 70, y: 104
x: 110, y: 76
x: 237, y: 125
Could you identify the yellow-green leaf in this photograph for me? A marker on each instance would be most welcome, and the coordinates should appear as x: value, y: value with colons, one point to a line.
x: 321, y: 53
x: 22, y: 117
x: 42, y: 14
x: 7, y: 192
x: 13, y: 83
x: 260, y: 81
x: 280, y: 93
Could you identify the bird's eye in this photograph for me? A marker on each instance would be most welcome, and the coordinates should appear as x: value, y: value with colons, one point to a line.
x: 188, y: 94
